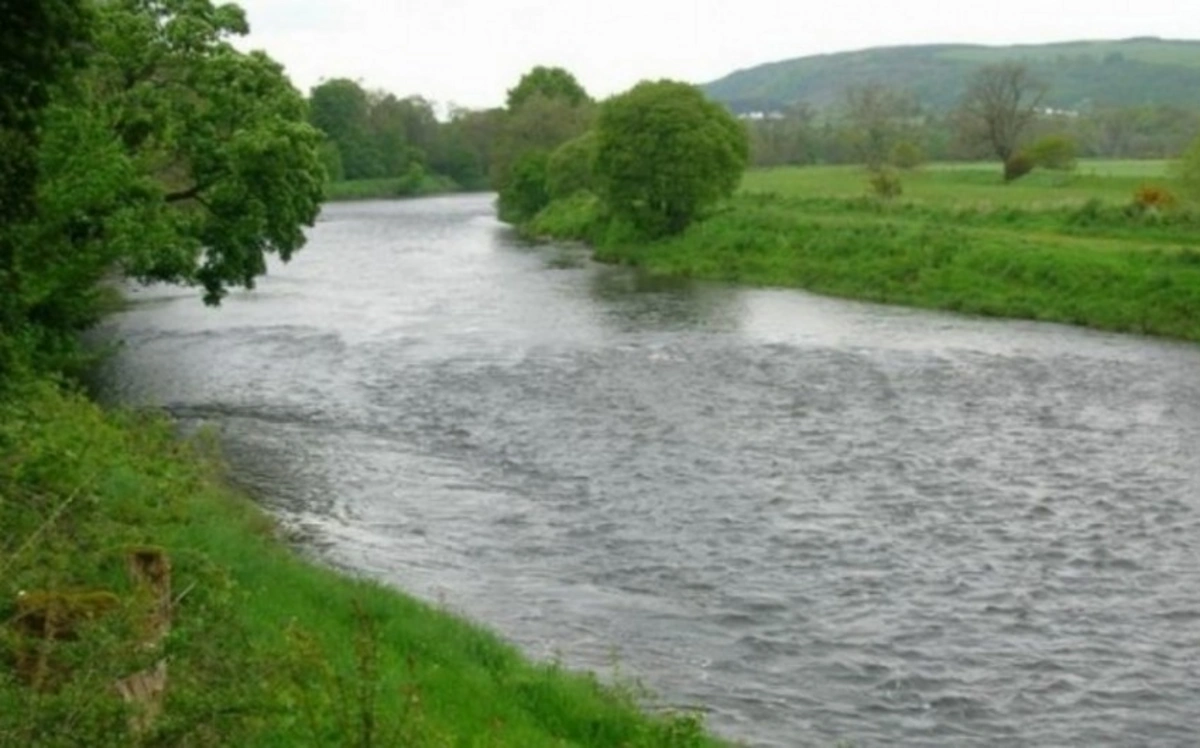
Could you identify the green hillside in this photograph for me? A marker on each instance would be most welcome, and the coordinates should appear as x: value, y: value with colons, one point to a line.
x: 1128, y: 72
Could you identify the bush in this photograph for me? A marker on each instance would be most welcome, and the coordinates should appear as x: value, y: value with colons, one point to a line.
x: 525, y: 194
x: 1017, y: 166
x: 665, y: 153
x: 906, y: 155
x: 885, y: 183
x: 571, y: 168
x: 1055, y: 152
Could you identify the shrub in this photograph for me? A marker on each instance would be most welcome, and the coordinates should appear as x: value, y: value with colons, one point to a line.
x: 906, y: 155
x: 885, y: 183
x: 525, y: 194
x: 1017, y: 166
x: 571, y: 167
x: 1055, y: 152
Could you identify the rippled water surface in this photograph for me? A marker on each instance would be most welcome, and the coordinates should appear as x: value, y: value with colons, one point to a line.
x: 816, y: 519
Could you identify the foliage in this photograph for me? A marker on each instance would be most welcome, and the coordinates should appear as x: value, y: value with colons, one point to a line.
x: 1054, y: 152
x: 341, y: 110
x: 906, y: 155
x: 1018, y: 165
x: 40, y: 44
x: 572, y: 167
x: 540, y: 124
x: 549, y: 83
x: 526, y: 192
x: 885, y: 183
x: 664, y: 154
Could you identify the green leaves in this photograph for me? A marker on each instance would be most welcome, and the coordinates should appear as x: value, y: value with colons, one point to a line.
x: 665, y: 153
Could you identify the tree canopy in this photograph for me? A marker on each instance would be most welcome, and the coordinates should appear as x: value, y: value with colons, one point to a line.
x: 664, y: 153
x: 170, y: 155
x: 549, y: 82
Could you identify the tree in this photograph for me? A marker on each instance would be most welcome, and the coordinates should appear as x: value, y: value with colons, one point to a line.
x: 664, y: 153
x: 341, y: 109
x: 875, y: 117
x: 549, y: 82
x: 1000, y: 104
x: 540, y: 124
x: 40, y: 44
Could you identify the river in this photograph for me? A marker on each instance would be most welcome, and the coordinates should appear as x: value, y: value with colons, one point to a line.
x: 815, y: 519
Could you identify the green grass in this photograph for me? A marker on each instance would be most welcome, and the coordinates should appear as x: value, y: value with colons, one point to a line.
x: 265, y: 648
x: 391, y: 188
x: 1077, y: 251
x: 969, y: 184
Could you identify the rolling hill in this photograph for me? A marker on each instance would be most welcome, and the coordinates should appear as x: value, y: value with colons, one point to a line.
x: 1127, y: 72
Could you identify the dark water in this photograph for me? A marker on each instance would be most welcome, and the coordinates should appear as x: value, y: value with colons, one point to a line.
x: 816, y: 519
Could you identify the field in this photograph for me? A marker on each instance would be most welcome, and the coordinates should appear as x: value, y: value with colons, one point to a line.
x: 969, y: 184
x: 1072, y: 248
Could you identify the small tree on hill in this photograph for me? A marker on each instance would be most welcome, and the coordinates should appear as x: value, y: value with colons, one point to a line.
x: 1000, y: 104
x: 664, y: 153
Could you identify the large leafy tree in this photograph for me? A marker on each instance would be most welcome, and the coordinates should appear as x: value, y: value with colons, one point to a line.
x: 664, y: 153
x: 39, y: 43
x: 171, y: 155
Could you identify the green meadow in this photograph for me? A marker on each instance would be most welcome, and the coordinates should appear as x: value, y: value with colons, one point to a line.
x: 1075, y: 248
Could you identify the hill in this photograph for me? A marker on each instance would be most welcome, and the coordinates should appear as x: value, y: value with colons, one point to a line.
x: 1129, y: 72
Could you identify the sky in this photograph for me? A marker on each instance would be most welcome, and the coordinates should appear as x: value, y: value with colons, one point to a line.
x: 470, y: 52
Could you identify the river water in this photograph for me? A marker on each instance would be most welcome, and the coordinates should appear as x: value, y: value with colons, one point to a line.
x: 816, y: 520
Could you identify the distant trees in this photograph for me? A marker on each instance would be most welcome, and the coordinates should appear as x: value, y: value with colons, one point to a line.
x: 664, y: 153
x: 1000, y: 104
x: 876, y: 118
x: 546, y: 109
x: 548, y: 82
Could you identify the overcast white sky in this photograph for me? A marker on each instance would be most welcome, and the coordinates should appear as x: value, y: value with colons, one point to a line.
x: 470, y: 52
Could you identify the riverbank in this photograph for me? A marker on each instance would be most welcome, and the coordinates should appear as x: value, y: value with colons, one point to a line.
x: 123, y: 548
x: 392, y: 188
x: 1080, y: 251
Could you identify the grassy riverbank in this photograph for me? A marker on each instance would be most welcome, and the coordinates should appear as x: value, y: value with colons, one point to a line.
x: 392, y: 188
x: 264, y: 648
x: 1074, y: 249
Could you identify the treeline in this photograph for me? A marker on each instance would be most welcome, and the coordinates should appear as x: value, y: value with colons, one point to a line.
x: 373, y: 134
x: 805, y: 135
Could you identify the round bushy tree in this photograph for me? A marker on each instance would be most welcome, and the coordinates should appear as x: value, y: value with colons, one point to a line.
x: 664, y: 153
